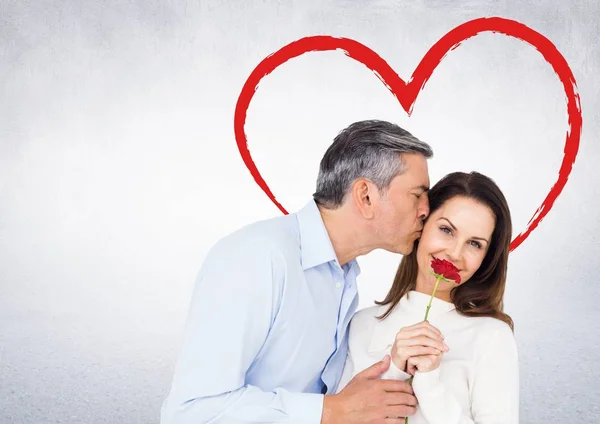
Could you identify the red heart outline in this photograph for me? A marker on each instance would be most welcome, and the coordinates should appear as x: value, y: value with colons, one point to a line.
x: 406, y: 93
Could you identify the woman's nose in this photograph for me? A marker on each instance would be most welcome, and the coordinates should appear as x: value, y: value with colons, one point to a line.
x: 454, y: 252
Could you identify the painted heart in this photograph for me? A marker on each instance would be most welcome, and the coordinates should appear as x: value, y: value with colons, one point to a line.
x: 407, y: 92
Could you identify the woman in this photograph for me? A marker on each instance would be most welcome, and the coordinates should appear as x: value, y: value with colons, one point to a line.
x: 464, y: 358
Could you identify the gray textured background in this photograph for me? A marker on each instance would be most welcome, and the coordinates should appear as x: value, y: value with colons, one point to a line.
x: 118, y: 170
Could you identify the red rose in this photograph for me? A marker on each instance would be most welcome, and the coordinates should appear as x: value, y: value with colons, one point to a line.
x: 446, y: 269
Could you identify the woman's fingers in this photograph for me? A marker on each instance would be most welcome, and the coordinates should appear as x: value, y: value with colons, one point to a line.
x: 411, y: 365
x: 424, y: 341
x: 422, y: 350
x: 419, y: 334
x: 422, y: 363
x: 406, y: 334
x: 425, y: 324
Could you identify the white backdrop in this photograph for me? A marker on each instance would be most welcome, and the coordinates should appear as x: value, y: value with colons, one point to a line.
x: 119, y: 170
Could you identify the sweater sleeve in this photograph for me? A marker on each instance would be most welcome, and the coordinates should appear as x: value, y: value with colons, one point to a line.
x: 494, y: 393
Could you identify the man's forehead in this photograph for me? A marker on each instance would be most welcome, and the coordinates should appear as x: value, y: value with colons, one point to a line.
x: 422, y: 187
x: 412, y: 181
x: 418, y: 179
x: 416, y: 165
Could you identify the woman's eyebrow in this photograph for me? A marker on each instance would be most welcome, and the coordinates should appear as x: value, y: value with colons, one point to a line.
x: 454, y: 228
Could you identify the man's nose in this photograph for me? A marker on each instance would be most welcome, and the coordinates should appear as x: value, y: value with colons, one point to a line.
x: 423, y: 211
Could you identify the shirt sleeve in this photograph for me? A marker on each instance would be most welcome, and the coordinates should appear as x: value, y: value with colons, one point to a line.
x: 392, y: 373
x: 494, y: 394
x: 235, y: 298
x: 347, y: 374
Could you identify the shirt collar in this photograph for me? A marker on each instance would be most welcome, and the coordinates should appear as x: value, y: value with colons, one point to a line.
x: 409, y: 311
x: 315, y: 244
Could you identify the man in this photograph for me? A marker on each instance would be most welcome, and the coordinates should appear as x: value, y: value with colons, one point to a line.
x: 266, y: 337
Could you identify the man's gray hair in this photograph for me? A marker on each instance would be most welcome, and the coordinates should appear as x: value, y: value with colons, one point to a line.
x: 366, y: 149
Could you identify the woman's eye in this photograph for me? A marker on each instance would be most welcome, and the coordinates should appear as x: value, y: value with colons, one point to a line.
x: 476, y: 244
x: 446, y: 230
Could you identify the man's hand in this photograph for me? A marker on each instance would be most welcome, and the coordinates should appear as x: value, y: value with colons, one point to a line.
x: 368, y: 400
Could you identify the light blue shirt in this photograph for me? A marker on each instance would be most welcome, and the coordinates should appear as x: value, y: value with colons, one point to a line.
x: 267, y: 327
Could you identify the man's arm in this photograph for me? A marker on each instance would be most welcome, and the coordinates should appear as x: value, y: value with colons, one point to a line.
x: 229, y: 319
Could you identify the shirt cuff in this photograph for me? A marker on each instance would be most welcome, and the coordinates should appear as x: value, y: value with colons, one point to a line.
x: 394, y: 373
x: 426, y: 380
x: 307, y: 408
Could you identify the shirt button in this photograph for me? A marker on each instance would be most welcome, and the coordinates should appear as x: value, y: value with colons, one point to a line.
x: 338, y: 284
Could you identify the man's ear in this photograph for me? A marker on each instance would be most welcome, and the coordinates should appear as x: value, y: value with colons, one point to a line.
x: 363, y: 194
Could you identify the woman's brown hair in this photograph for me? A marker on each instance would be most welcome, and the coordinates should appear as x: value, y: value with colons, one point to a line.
x: 482, y: 294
